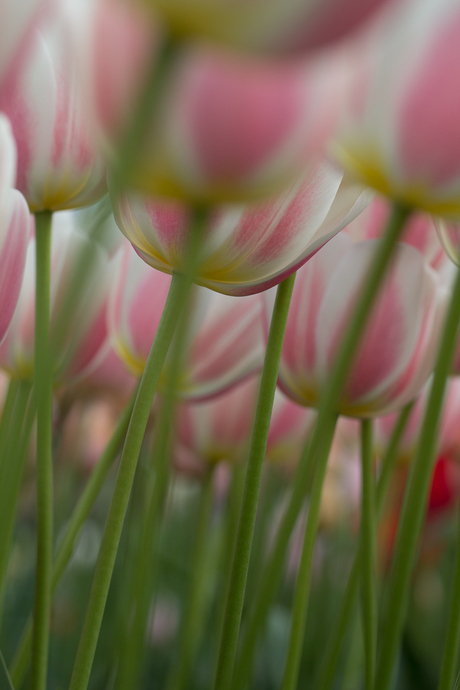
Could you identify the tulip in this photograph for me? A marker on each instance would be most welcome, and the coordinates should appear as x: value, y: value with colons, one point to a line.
x: 59, y: 164
x: 226, y: 340
x: 78, y: 340
x: 18, y: 23
x: 249, y: 248
x: 223, y: 127
x: 396, y: 352
x: 218, y: 429
x: 401, y: 132
x: 271, y: 26
x: 290, y: 425
x: 14, y: 229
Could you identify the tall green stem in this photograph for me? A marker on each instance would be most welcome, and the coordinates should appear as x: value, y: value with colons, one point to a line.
x: 344, y: 619
x: 415, y: 498
x: 452, y: 645
x: 368, y: 553
x: 43, y: 382
x: 252, y: 487
x: 300, y: 607
x: 192, y: 625
x: 177, y: 297
x: 79, y: 515
x: 7, y: 411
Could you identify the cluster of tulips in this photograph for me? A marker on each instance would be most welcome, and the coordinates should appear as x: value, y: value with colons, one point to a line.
x: 229, y: 332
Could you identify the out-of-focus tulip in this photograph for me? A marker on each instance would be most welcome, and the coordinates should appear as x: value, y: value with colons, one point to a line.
x: 270, y: 26
x: 18, y: 23
x: 218, y: 429
x: 401, y: 134
x: 14, y: 229
x: 226, y: 338
x: 59, y: 164
x: 449, y: 432
x: 248, y: 248
x: 290, y: 425
x: 78, y: 339
x: 110, y: 379
x: 224, y: 127
x: 396, y: 352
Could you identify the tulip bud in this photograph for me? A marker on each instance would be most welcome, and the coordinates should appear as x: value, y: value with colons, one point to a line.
x: 401, y: 134
x: 77, y: 339
x: 59, y: 164
x: 15, y: 224
x: 248, y: 248
x: 395, y: 354
x: 226, y: 339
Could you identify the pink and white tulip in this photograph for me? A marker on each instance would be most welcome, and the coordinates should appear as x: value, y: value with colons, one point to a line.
x: 226, y: 339
x: 85, y: 334
x: 224, y: 127
x: 398, y: 346
x: 247, y: 248
x: 17, y: 24
x: 59, y: 163
x: 15, y: 222
x: 269, y: 26
x: 290, y: 425
x: 401, y: 133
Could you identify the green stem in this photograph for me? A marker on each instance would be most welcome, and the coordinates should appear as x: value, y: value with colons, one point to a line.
x: 79, y: 515
x: 415, y: 498
x: 343, y: 621
x: 452, y: 644
x: 43, y: 382
x: 192, y: 626
x: 300, y: 607
x: 7, y: 411
x: 272, y: 572
x: 21, y: 421
x: 177, y: 297
x: 252, y: 487
x: 368, y: 553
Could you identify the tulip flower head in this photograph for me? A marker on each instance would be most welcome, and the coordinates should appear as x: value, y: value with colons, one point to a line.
x: 15, y: 224
x: 396, y: 352
x: 290, y: 425
x: 247, y: 248
x: 59, y: 164
x: 226, y: 334
x: 401, y: 134
x: 77, y: 339
x: 18, y: 23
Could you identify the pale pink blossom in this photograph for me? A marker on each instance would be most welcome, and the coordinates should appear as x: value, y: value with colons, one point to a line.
x: 270, y: 26
x: 247, y: 248
x: 59, y: 163
x: 78, y: 340
x: 401, y: 133
x: 226, y: 334
x: 15, y: 222
x: 399, y: 343
x: 17, y: 22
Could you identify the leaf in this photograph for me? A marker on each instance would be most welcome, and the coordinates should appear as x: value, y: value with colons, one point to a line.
x: 5, y: 680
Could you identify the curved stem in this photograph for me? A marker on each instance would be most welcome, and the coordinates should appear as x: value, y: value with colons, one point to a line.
x: 415, y: 498
x: 302, y: 590
x: 368, y: 551
x: 177, y: 296
x: 344, y: 618
x: 43, y: 382
x: 192, y: 626
x: 452, y: 644
x: 252, y: 487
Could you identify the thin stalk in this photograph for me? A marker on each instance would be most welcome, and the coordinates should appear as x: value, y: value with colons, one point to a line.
x: 21, y: 421
x: 368, y: 553
x: 415, y: 498
x: 192, y: 626
x: 252, y: 487
x: 302, y: 590
x: 344, y: 618
x: 177, y: 296
x: 5, y: 422
x: 144, y: 579
x: 43, y: 381
x: 452, y: 645
x: 274, y: 567
x: 65, y: 549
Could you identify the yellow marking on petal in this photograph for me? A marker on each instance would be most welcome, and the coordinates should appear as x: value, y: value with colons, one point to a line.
x: 135, y: 364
